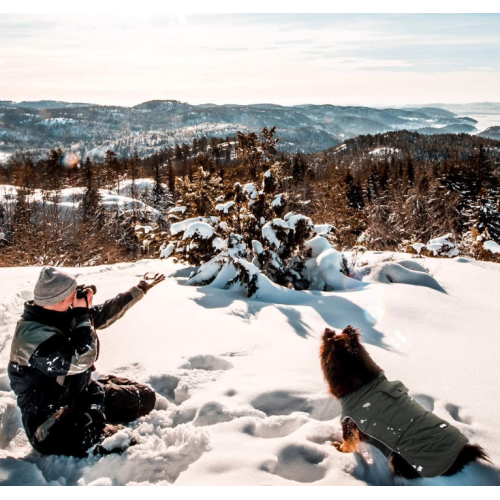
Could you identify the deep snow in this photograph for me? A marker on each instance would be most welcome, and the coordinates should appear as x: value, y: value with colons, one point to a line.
x: 242, y: 398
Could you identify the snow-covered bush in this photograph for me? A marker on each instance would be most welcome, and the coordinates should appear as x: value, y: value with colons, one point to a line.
x: 480, y: 246
x: 443, y: 246
x: 195, y: 240
x: 151, y: 237
x: 250, y: 235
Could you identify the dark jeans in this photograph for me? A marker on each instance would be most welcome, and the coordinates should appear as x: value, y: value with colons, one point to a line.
x: 82, y: 427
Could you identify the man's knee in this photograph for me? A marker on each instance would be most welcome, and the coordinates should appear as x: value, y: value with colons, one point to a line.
x: 126, y: 400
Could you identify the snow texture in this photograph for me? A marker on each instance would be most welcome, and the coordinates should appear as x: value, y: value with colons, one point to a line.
x: 241, y: 397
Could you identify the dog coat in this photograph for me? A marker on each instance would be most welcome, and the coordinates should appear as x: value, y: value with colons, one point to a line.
x: 384, y: 411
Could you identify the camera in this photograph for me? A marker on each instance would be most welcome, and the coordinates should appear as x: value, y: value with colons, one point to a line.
x: 82, y: 290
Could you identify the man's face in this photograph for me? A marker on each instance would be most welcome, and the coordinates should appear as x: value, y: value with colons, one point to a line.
x: 68, y: 301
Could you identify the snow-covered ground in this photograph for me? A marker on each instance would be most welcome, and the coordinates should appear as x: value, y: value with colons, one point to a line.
x: 69, y: 198
x: 241, y: 395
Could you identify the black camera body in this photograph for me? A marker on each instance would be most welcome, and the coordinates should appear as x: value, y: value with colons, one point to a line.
x: 82, y: 290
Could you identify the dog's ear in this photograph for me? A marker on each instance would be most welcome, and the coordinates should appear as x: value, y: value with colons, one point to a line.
x: 328, y: 334
x: 352, y: 336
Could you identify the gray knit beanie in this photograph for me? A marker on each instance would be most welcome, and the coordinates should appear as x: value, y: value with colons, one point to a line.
x: 53, y: 286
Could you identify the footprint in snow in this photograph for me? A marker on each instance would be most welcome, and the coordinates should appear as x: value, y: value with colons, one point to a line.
x: 275, y: 427
x: 457, y: 414
x: 298, y: 462
x: 287, y: 402
x: 206, y: 362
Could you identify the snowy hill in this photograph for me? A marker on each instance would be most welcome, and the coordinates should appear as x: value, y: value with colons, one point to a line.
x: 491, y: 133
x: 242, y: 398
x: 155, y: 124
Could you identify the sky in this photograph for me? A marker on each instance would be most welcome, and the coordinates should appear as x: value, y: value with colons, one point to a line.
x: 286, y: 59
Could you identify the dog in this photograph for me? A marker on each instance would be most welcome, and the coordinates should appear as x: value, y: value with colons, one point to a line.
x: 417, y: 442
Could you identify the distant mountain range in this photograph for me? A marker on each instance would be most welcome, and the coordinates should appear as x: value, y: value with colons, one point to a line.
x: 464, y: 108
x: 41, y: 125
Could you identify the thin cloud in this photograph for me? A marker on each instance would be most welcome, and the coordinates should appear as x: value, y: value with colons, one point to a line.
x: 286, y: 59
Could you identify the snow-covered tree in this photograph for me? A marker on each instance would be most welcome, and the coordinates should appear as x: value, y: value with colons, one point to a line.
x: 248, y: 236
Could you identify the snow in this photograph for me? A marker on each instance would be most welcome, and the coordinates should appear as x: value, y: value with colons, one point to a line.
x: 436, y: 245
x: 219, y: 243
x: 241, y: 397
x: 200, y: 229
x: 492, y: 246
x: 257, y: 247
x: 147, y: 229
x: 183, y: 225
x: 269, y: 233
x: 206, y: 272
x: 400, y: 272
x: 175, y: 210
x: 323, y: 229
x: 224, y: 207
x: 277, y: 200
x: 324, y: 268
x: 383, y: 151
x: 418, y: 247
x: 70, y: 198
x: 4, y: 156
x: 167, y: 251
x: 251, y: 190
x: 293, y: 219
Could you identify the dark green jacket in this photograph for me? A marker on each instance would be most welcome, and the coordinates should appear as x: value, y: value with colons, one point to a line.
x: 384, y: 411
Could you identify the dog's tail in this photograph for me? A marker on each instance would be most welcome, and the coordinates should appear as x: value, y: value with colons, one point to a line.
x: 469, y: 453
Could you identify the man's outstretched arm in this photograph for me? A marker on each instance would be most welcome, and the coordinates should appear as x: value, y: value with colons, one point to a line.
x: 106, y: 314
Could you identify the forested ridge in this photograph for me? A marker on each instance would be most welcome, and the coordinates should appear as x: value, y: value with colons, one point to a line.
x: 381, y: 192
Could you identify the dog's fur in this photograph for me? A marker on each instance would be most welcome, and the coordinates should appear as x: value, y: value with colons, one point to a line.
x: 347, y: 366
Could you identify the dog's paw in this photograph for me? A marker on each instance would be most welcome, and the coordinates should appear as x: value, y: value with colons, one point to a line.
x: 337, y: 445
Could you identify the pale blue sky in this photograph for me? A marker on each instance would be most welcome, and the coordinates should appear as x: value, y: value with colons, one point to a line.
x: 286, y: 59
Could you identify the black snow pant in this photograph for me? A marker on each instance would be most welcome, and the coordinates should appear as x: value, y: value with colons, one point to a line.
x: 85, y: 425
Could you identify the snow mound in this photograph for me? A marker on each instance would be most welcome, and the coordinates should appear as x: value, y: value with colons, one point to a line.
x: 324, y: 269
x: 492, y: 246
x: 401, y: 272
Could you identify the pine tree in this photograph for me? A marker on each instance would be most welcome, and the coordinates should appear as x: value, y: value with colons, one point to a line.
x: 171, y: 177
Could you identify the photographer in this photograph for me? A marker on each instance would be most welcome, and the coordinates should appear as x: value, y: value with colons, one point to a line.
x: 55, y: 346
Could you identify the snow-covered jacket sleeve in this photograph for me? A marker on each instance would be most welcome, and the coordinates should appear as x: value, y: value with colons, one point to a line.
x: 107, y: 313
x: 57, y: 355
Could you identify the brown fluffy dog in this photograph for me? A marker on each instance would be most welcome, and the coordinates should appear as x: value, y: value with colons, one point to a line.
x: 347, y: 366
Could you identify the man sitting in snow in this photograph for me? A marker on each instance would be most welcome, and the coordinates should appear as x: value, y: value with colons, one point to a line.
x: 55, y: 346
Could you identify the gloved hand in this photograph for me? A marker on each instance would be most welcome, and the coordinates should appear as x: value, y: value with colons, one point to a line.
x: 145, y: 286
